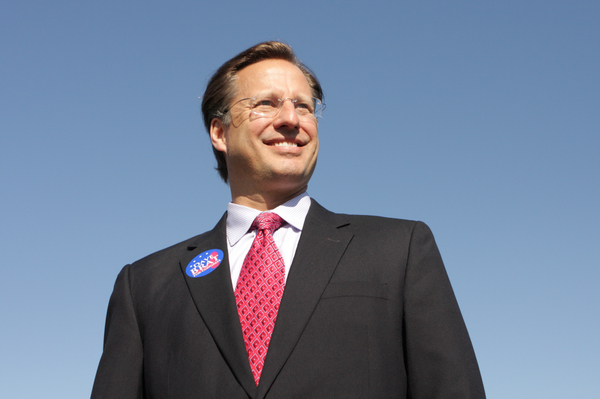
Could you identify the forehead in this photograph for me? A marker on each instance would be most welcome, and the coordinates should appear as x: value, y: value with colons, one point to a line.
x: 279, y: 76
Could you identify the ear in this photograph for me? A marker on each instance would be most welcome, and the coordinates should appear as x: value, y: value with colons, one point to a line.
x: 217, y: 135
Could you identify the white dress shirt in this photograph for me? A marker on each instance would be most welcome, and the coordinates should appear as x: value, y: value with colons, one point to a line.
x: 239, y: 238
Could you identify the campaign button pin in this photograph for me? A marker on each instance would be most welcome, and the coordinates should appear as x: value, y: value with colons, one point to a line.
x: 204, y: 263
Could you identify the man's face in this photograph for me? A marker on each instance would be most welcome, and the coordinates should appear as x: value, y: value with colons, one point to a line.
x: 269, y: 154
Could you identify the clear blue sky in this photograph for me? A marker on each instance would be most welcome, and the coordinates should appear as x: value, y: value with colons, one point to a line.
x: 481, y: 118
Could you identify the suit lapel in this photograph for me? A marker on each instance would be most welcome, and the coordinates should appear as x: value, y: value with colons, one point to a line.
x: 321, y: 246
x: 214, y: 298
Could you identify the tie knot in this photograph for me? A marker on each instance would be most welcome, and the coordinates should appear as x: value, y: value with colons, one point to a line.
x: 267, y: 221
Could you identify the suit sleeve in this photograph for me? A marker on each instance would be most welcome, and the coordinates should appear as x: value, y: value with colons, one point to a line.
x: 440, y: 359
x: 120, y: 372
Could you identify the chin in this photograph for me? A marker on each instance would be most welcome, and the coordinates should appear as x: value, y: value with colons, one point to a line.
x: 293, y: 169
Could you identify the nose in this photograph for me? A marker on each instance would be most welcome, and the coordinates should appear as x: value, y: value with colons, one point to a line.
x: 287, y: 116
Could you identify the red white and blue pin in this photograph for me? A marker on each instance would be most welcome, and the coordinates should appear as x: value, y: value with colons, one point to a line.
x: 204, y: 263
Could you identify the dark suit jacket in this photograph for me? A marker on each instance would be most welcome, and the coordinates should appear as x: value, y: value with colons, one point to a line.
x: 367, y: 312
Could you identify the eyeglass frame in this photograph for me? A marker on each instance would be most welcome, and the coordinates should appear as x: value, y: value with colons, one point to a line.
x: 281, y: 101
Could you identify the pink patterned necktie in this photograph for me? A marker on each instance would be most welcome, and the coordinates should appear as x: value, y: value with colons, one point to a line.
x: 259, y: 290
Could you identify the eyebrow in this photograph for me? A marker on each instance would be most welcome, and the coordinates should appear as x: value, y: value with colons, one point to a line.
x: 267, y: 93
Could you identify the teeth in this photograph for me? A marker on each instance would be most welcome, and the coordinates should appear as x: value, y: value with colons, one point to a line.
x: 285, y: 143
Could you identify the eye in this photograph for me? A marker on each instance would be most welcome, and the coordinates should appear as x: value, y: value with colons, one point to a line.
x: 304, y: 108
x: 264, y: 103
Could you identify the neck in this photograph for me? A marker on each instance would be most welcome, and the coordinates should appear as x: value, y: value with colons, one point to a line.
x: 264, y: 201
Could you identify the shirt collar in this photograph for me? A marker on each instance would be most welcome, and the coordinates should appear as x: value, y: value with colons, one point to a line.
x: 240, y: 217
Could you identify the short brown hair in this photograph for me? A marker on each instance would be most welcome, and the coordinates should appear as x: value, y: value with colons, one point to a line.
x: 221, y: 88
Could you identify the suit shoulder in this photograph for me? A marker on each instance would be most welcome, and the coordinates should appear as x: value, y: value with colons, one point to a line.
x: 168, y: 256
x: 158, y: 271
x: 370, y: 224
x: 382, y: 224
x: 170, y: 251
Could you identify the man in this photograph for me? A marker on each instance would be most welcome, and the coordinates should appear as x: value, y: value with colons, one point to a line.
x: 296, y: 302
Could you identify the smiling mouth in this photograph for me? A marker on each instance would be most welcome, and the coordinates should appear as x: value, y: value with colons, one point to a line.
x: 285, y: 144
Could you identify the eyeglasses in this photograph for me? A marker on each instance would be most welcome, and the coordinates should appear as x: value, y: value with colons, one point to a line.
x: 269, y: 107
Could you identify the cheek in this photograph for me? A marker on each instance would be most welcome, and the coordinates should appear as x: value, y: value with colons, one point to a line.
x: 311, y: 129
x: 251, y: 135
x: 256, y: 126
